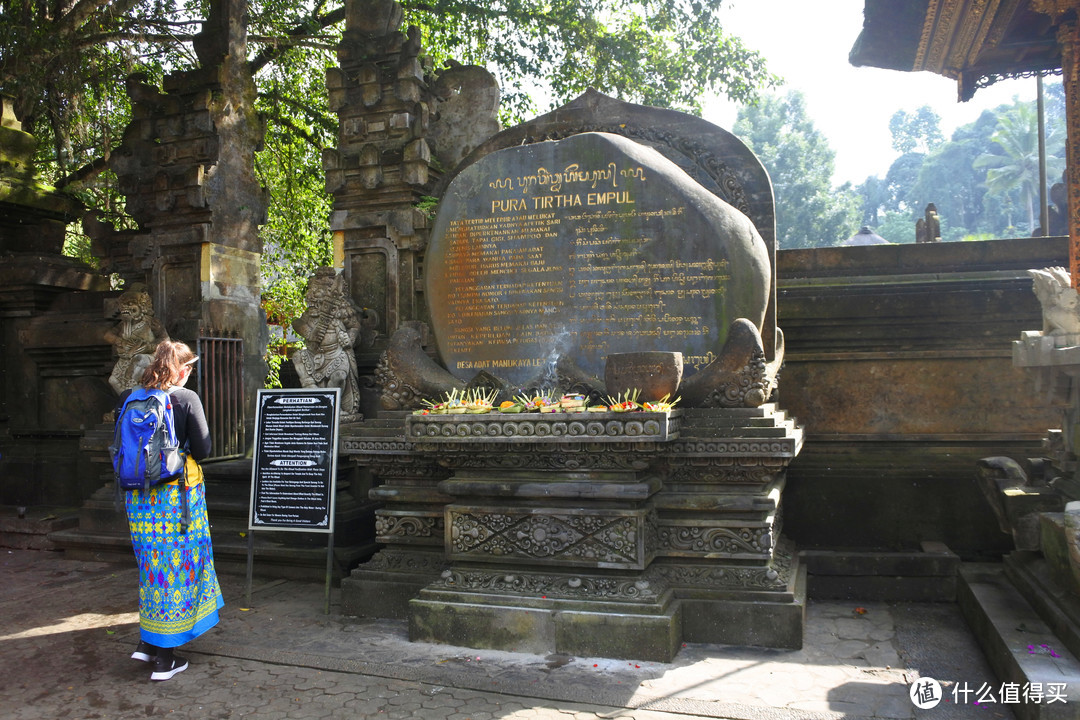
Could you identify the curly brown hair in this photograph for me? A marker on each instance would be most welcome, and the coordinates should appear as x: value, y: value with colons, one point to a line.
x: 169, y: 359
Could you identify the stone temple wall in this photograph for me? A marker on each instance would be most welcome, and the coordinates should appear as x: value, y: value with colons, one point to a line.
x: 53, y: 360
x: 899, y: 365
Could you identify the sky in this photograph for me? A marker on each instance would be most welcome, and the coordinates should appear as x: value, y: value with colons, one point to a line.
x: 807, y: 43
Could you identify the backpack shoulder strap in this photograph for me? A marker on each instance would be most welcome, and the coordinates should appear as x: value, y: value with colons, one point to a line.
x: 135, y: 394
x: 158, y: 395
x: 166, y: 401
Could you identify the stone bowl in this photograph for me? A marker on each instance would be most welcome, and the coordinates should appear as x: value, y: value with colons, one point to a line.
x: 655, y: 373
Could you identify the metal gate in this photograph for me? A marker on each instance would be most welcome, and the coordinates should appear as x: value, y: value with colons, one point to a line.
x: 221, y: 387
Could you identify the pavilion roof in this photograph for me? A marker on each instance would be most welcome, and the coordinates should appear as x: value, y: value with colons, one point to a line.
x: 975, y: 42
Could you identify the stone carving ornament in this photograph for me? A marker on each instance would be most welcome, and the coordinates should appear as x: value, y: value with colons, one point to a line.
x: 411, y: 526
x: 554, y: 427
x: 712, y: 540
x: 407, y: 375
x: 571, y: 538
x: 648, y: 588
x: 400, y: 560
x: 331, y: 326
x: 136, y: 337
x: 1060, y: 301
x: 528, y: 458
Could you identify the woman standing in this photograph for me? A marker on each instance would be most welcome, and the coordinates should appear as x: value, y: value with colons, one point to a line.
x: 179, y: 595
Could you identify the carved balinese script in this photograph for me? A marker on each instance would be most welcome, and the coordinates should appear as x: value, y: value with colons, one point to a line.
x: 582, y: 247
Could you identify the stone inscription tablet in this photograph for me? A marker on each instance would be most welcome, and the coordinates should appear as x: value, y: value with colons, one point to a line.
x: 294, y: 465
x: 583, y: 247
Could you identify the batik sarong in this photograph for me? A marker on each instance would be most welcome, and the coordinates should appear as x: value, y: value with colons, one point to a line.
x: 179, y: 595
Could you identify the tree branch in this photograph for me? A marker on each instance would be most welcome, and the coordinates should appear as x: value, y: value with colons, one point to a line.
x: 90, y: 170
x: 301, y: 132
x: 318, y: 117
x: 291, y: 42
x: 133, y: 36
x: 269, y: 54
x: 71, y: 21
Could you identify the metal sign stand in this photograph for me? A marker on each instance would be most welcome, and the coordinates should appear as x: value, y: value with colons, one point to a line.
x: 294, y: 468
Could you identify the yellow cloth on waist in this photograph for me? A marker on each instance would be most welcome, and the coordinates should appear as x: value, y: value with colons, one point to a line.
x: 193, y: 471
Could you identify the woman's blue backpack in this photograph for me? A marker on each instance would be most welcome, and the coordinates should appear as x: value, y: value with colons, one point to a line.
x: 144, y: 450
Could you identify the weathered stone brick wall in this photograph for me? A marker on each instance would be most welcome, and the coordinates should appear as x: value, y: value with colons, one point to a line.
x: 899, y: 367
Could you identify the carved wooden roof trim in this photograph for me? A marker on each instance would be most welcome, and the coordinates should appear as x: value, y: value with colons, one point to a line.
x: 975, y: 42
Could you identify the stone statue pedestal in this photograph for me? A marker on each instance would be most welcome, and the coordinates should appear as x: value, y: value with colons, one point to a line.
x: 1054, y: 360
x: 1031, y: 601
x: 608, y: 534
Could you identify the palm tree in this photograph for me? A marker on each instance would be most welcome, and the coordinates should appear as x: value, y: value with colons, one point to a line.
x: 1016, y: 167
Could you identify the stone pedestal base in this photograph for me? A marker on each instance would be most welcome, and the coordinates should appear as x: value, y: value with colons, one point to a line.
x: 619, y: 535
x: 383, y: 587
x: 627, y: 616
x: 730, y: 610
x: 622, y: 616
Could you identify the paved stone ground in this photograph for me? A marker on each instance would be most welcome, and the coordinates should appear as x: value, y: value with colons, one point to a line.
x: 67, y: 629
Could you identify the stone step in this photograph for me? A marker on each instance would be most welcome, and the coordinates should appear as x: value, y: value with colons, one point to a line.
x: 1020, y: 647
x: 926, y: 575
x: 710, y: 413
x: 773, y: 419
x: 384, y: 420
x: 1050, y: 589
x: 740, y: 432
x: 28, y: 528
x: 732, y: 422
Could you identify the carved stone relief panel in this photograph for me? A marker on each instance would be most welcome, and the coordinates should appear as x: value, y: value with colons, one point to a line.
x: 563, y: 537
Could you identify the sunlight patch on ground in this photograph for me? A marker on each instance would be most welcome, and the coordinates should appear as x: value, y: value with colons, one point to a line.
x: 85, y: 621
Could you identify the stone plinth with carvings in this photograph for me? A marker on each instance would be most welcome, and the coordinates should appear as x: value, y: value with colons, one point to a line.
x: 612, y: 534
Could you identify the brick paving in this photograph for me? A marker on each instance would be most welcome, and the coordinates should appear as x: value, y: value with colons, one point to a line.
x: 67, y: 629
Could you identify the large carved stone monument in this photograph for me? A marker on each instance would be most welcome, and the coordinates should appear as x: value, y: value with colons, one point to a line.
x: 560, y: 248
x: 583, y: 248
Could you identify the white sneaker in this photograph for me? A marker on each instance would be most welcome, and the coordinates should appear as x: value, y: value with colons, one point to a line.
x: 145, y: 652
x: 163, y: 670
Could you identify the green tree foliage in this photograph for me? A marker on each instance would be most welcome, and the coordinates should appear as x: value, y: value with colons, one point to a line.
x: 874, y: 194
x: 900, y: 178
x: 897, y: 227
x: 66, y: 63
x: 809, y: 211
x: 296, y: 237
x: 666, y: 53
x: 1015, y: 164
x: 977, y: 179
x: 948, y: 178
x: 919, y: 130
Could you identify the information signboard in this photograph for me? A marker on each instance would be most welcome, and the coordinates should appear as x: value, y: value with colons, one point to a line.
x: 295, y: 461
